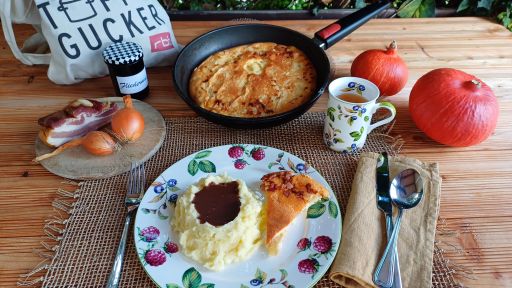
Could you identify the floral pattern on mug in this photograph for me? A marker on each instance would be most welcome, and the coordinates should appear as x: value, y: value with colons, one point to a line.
x: 333, y: 135
x: 354, y: 86
x: 347, y: 123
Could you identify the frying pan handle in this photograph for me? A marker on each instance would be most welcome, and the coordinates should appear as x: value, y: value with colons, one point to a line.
x: 336, y: 31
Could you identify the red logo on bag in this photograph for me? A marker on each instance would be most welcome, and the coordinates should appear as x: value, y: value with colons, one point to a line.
x: 160, y: 42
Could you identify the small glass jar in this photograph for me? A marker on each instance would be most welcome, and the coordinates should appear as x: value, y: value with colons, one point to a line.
x: 126, y: 67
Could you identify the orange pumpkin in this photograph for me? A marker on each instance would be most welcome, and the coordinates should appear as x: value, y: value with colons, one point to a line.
x: 384, y: 68
x: 453, y: 108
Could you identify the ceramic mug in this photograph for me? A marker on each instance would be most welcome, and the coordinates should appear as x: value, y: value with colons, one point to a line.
x: 348, y: 121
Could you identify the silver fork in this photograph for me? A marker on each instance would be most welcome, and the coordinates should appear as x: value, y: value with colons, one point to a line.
x: 134, y: 193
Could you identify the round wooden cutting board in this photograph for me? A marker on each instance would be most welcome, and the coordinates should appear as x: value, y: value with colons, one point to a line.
x: 76, y: 163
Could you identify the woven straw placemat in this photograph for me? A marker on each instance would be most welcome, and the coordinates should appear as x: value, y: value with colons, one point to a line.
x: 81, y: 248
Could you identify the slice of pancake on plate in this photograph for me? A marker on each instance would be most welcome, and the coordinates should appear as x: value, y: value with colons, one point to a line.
x: 286, y: 196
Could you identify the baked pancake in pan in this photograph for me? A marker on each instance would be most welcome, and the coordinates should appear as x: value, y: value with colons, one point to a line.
x: 254, y: 80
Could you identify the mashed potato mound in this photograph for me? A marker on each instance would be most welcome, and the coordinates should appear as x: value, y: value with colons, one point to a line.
x: 216, y: 247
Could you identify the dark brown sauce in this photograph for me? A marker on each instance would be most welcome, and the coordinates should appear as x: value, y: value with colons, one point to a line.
x: 218, y: 204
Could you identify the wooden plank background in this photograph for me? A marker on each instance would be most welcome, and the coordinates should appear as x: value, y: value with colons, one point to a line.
x: 477, y: 182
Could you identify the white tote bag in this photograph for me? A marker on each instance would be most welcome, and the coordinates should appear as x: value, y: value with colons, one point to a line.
x: 35, y: 49
x: 77, y: 31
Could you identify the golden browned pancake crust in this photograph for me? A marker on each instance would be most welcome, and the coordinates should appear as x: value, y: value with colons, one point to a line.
x: 286, y: 196
x: 254, y: 80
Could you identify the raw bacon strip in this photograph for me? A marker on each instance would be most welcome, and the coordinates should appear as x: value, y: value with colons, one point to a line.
x: 75, y: 120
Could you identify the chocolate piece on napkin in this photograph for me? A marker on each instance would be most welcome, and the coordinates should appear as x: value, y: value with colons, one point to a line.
x: 364, y: 229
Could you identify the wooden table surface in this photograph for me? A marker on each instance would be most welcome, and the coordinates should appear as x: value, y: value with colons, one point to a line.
x: 477, y: 182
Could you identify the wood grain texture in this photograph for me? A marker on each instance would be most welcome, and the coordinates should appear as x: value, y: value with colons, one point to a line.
x: 477, y: 187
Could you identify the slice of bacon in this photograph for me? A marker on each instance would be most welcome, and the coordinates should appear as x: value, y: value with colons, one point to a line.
x: 75, y: 120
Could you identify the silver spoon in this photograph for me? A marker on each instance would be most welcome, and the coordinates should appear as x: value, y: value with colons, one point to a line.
x: 406, y: 192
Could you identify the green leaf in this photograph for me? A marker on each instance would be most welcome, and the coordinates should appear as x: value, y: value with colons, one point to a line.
x: 272, y: 164
x: 507, y: 22
x: 207, y: 166
x: 323, y: 200
x: 291, y: 165
x: 417, y: 9
x: 162, y: 216
x: 464, y: 4
x: 145, y: 210
x: 157, y: 198
x: 260, y: 275
x: 484, y: 4
x: 172, y: 285
x: 193, y: 167
x: 427, y: 9
x: 355, y: 134
x: 347, y: 89
x: 284, y: 274
x: 366, y: 118
x: 362, y: 129
x: 333, y: 209
x: 330, y: 113
x: 191, y: 278
x: 243, y: 286
x: 504, y: 18
x: 173, y: 189
x: 337, y: 140
x: 207, y: 285
x: 280, y: 155
x: 316, y: 210
x: 350, y: 121
x: 203, y: 154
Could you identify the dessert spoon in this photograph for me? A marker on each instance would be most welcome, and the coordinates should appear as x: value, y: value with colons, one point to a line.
x: 406, y: 192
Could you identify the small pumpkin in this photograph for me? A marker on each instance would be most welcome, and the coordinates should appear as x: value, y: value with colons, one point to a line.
x: 453, y: 108
x: 384, y: 68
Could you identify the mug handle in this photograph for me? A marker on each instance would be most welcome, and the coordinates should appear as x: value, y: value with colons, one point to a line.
x: 384, y: 105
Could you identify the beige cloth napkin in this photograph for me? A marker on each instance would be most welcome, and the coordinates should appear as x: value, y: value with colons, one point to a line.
x: 364, y: 229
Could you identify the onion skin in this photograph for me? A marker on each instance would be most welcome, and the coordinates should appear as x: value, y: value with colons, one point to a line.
x: 99, y: 143
x: 453, y: 108
x: 128, y: 123
x: 95, y: 142
x: 382, y: 67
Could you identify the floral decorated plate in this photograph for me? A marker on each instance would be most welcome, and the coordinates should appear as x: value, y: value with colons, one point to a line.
x: 308, y: 248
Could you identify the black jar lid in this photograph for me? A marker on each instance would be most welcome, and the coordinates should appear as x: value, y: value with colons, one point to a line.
x: 122, y: 53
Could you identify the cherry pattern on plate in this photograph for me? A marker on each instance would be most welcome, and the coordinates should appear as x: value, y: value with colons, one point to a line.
x: 243, y: 154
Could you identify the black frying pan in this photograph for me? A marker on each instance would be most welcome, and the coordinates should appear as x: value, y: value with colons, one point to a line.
x: 223, y: 38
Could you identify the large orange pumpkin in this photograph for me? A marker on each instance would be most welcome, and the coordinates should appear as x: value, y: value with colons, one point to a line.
x: 453, y: 107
